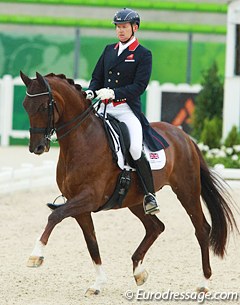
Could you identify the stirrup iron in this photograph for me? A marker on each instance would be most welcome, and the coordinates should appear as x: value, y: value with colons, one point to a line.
x: 150, y: 204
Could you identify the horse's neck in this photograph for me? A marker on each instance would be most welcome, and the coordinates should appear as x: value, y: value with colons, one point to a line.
x: 87, y: 137
x: 73, y: 105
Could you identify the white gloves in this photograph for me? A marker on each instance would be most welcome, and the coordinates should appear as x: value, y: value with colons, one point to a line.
x: 90, y: 94
x: 105, y: 94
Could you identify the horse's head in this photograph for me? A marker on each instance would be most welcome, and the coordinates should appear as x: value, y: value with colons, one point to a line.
x: 53, y: 103
x: 39, y: 105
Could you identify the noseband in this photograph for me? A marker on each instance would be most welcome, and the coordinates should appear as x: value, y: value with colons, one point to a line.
x: 50, y: 129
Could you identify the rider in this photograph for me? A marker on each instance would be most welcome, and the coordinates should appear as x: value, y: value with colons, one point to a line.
x: 120, y: 76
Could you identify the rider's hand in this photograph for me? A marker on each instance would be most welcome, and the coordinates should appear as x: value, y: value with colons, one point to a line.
x: 105, y: 94
x: 90, y: 94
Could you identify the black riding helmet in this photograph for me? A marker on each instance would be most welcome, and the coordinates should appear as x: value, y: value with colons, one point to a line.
x: 126, y: 15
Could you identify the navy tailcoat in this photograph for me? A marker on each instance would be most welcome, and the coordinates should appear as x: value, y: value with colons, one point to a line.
x: 128, y: 75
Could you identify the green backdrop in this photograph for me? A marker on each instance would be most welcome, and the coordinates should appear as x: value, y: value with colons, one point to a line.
x: 52, y: 53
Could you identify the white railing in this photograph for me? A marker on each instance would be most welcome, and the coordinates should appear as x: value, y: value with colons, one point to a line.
x: 154, y: 96
x: 7, y: 83
x: 27, y: 176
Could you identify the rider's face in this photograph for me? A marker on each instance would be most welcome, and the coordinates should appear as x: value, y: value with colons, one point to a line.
x: 124, y: 31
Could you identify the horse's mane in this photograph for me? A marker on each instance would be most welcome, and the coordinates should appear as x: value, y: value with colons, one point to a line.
x: 69, y: 80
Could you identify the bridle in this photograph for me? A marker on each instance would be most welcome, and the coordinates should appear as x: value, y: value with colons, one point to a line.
x: 51, y: 129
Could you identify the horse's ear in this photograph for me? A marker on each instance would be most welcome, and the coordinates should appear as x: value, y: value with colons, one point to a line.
x: 26, y: 80
x: 40, y: 79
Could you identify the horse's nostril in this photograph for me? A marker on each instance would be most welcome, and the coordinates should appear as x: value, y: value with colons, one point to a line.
x: 39, y: 149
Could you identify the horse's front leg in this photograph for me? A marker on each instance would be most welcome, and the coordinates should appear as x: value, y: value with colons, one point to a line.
x: 154, y: 227
x: 86, y: 224
x: 72, y: 208
x: 37, y: 256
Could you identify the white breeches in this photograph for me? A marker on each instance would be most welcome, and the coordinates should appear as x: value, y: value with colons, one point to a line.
x: 124, y: 114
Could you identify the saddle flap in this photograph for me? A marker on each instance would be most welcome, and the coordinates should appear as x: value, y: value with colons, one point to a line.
x: 118, y: 136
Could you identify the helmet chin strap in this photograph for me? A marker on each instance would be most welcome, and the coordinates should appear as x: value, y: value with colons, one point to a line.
x: 127, y: 40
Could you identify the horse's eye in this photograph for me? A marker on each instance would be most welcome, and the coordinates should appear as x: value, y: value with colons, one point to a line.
x: 43, y: 108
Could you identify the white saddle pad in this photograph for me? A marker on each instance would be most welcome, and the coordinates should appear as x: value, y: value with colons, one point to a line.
x: 157, y: 159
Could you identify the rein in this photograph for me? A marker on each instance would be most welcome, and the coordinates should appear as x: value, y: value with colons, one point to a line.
x: 82, y: 117
x: 51, y: 129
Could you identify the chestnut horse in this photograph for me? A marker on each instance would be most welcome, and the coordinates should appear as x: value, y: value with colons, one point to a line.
x: 55, y: 103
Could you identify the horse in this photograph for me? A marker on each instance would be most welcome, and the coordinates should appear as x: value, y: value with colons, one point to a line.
x: 55, y: 103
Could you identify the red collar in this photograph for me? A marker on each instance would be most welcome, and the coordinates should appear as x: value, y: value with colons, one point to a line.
x: 132, y: 46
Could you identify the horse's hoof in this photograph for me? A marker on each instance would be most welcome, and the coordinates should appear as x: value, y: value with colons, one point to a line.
x: 202, y: 289
x: 141, y: 278
x: 35, y: 261
x: 92, y: 291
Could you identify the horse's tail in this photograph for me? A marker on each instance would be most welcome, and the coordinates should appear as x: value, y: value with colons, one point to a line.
x: 215, y: 196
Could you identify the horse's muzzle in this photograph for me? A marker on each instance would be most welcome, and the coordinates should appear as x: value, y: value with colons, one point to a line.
x: 40, y: 148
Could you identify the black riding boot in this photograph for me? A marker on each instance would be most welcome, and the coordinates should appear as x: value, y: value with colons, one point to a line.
x: 145, y: 175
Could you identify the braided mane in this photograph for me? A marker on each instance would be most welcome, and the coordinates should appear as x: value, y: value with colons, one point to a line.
x: 69, y: 80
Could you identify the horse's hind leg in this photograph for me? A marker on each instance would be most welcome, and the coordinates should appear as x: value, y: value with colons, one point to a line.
x: 189, y: 195
x: 86, y: 224
x: 154, y: 227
